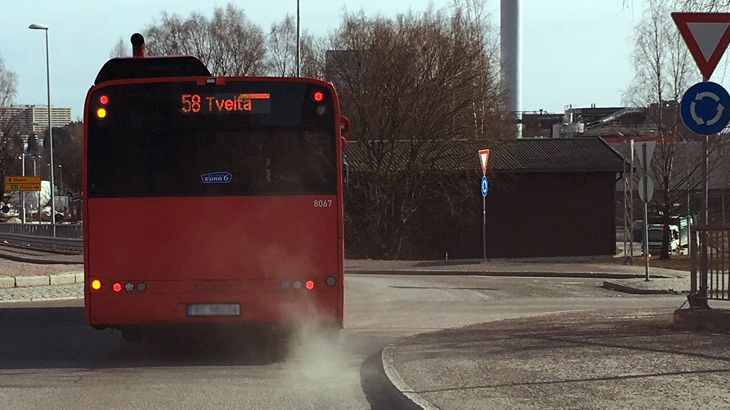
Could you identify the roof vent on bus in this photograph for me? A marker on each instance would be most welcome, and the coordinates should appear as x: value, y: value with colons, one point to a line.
x: 139, y: 50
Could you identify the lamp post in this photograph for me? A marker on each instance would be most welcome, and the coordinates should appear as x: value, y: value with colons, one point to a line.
x: 60, y: 178
x: 22, y: 159
x: 50, y: 127
x: 298, y: 51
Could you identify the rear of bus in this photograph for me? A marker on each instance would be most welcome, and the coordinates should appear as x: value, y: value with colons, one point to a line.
x: 212, y: 200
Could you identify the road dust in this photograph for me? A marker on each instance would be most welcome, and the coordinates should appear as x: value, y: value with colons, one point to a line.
x: 317, y: 363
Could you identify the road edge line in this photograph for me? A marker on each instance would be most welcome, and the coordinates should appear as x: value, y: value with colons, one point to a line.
x: 519, y: 274
x: 397, y: 381
x: 61, y: 299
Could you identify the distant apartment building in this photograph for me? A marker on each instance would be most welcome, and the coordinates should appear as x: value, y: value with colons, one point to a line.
x: 33, y: 119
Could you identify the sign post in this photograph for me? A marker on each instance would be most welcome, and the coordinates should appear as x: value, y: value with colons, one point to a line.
x: 705, y: 107
x: 646, y: 191
x: 484, y: 159
x: 23, y: 184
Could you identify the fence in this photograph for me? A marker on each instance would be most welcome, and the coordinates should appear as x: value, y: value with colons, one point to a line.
x: 67, y: 238
x: 710, y: 278
x: 62, y: 230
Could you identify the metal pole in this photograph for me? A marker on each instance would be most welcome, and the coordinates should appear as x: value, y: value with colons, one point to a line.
x: 50, y: 136
x: 689, y: 211
x: 705, y: 183
x: 484, y: 227
x: 705, y: 222
x: 22, y: 194
x: 631, y: 202
x: 298, y: 52
x: 646, y: 212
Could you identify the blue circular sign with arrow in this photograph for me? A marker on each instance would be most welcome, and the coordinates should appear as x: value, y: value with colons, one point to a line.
x: 705, y: 108
x: 485, y: 187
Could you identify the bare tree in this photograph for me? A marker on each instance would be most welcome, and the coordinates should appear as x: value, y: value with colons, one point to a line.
x: 703, y: 5
x: 120, y: 49
x: 8, y: 85
x: 282, y: 51
x: 282, y: 47
x: 10, y: 143
x: 663, y: 71
x: 68, y: 152
x: 228, y: 43
x: 410, y: 84
x: 312, y: 56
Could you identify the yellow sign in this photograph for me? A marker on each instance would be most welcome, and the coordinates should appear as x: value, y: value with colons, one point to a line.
x: 22, y: 184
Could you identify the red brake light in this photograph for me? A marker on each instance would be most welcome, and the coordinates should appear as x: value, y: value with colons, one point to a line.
x: 117, y: 287
x: 318, y: 96
x: 309, y: 285
x: 104, y: 99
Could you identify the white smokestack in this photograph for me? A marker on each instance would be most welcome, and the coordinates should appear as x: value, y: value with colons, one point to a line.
x: 510, y: 54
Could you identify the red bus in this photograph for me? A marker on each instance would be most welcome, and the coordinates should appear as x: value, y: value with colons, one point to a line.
x: 209, y: 199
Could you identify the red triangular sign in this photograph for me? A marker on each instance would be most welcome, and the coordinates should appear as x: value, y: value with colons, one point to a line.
x: 707, y: 35
x: 484, y: 158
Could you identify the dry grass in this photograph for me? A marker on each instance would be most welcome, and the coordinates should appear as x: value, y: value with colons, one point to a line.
x: 682, y: 263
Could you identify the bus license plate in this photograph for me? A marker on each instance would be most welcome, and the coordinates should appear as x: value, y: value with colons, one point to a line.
x: 218, y: 309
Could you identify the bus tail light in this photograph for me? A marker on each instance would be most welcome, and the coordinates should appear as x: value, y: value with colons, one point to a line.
x: 117, y: 287
x: 104, y: 99
x: 101, y: 113
x: 318, y: 96
x: 331, y: 281
x: 309, y: 285
x: 141, y: 286
x: 96, y: 284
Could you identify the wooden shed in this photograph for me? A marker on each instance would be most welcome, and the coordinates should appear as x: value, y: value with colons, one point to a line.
x: 547, y: 197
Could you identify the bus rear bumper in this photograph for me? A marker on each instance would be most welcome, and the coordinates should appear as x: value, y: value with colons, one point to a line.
x: 201, y: 310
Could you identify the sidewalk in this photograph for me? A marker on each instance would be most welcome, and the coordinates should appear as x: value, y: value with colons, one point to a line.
x: 21, y: 268
x: 576, y: 360
x: 546, y: 267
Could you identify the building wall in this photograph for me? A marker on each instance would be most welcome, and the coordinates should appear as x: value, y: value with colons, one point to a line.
x: 530, y: 215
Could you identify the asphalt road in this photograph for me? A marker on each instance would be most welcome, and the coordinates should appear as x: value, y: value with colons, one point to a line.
x: 49, y: 358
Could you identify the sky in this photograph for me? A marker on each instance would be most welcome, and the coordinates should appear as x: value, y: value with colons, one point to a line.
x: 573, y: 51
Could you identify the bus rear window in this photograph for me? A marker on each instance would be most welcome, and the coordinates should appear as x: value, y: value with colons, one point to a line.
x: 176, y: 139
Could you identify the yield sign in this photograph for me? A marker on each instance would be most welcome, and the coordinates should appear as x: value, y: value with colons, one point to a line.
x: 707, y: 35
x: 484, y: 158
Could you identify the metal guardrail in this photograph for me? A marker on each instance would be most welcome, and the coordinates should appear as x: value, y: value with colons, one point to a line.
x: 62, y: 230
x: 710, y: 278
x: 68, y: 238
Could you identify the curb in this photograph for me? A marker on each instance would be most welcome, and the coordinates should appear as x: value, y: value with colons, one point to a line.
x: 397, y: 381
x: 526, y: 274
x: 61, y: 299
x: 17, y: 258
x: 707, y: 320
x: 636, y: 291
x: 65, y: 278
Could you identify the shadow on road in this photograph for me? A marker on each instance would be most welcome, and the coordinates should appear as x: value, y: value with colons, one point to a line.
x: 379, y: 392
x: 41, y: 338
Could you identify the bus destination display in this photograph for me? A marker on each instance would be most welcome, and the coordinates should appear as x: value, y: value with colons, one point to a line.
x: 257, y: 103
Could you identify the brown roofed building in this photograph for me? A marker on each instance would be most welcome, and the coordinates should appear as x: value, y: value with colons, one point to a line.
x: 548, y: 197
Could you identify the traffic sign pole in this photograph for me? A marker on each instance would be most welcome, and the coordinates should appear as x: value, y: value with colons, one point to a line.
x: 485, y: 190
x: 484, y: 161
x: 646, y: 211
x: 484, y: 228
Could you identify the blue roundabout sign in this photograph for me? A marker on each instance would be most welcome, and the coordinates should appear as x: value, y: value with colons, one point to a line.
x: 705, y: 108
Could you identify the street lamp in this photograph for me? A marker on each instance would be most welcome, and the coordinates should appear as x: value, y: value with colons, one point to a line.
x: 50, y: 127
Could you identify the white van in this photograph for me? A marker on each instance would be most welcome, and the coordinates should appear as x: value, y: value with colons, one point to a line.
x: 656, y: 235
